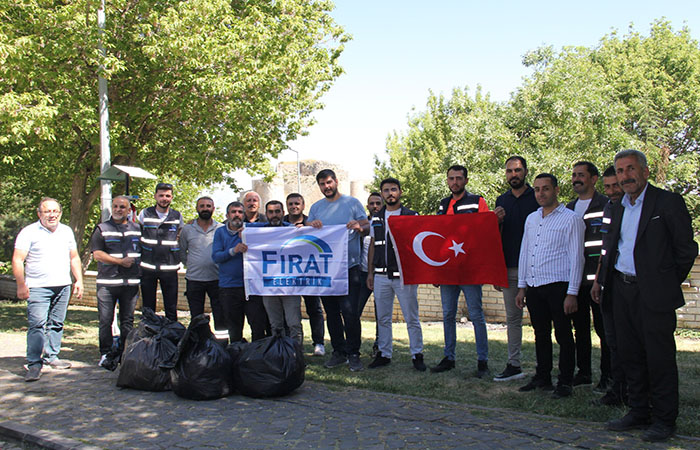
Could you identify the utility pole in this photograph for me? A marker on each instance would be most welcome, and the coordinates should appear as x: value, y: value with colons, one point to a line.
x: 105, y: 158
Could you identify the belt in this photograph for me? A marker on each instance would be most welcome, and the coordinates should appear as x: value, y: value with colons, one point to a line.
x: 628, y: 279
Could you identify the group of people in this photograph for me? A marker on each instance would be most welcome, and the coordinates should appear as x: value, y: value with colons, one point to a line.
x: 621, y: 256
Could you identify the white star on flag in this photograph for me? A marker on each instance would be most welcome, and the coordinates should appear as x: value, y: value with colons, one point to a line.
x: 457, y: 248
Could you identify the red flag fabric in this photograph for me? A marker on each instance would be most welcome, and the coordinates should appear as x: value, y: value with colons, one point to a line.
x: 455, y: 249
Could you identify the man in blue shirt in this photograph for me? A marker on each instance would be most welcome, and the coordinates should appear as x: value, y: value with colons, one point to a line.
x: 227, y: 252
x: 342, y: 312
x: 512, y: 208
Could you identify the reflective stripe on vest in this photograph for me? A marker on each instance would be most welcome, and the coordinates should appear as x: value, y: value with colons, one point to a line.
x: 593, y: 244
x: 470, y: 206
x: 593, y: 215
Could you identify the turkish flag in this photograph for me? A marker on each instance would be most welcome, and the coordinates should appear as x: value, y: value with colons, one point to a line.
x: 455, y: 249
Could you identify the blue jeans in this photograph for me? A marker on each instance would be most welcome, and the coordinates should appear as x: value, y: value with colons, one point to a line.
x: 46, y: 311
x: 472, y: 293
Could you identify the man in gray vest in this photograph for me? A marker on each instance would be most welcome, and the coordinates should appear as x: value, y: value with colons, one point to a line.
x: 160, y: 258
x: 116, y: 246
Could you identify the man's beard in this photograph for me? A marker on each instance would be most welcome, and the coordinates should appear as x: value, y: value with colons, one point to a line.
x: 205, y: 215
x: 332, y: 193
x: 391, y: 201
x: 236, y: 223
x: 516, y: 183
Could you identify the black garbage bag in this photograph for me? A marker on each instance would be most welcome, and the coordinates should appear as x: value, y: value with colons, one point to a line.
x: 150, y: 353
x: 150, y: 325
x: 269, y: 367
x: 204, y: 369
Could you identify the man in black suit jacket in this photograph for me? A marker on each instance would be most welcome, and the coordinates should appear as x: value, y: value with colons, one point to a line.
x: 650, y: 251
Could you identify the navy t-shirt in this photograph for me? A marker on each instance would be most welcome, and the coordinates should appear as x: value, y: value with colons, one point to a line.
x: 513, y: 226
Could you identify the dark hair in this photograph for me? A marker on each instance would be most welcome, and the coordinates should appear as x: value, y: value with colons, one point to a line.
x: 232, y: 204
x: 204, y: 197
x: 641, y: 157
x: 592, y: 169
x: 274, y: 202
x: 518, y: 158
x: 295, y: 195
x: 555, y: 183
x: 164, y: 187
x: 609, y: 172
x: 458, y: 167
x: 374, y: 194
x: 325, y: 173
x: 389, y: 180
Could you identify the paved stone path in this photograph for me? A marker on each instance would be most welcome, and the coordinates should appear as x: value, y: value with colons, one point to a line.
x: 83, y: 407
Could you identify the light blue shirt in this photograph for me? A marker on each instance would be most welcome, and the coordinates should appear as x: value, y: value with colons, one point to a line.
x: 340, y: 212
x: 628, y: 233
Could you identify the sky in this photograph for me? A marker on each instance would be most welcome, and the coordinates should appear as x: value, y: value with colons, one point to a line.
x: 402, y: 50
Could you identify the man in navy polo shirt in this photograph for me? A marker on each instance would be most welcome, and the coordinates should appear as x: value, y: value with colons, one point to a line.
x: 512, y: 208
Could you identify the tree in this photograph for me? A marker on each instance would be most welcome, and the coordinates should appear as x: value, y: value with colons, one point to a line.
x: 459, y: 130
x: 578, y: 104
x: 197, y: 89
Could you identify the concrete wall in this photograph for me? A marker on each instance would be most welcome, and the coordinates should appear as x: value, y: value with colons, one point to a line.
x: 428, y: 297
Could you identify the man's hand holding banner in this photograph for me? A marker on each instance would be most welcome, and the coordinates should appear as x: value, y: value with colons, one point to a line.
x: 296, y: 261
x: 449, y: 249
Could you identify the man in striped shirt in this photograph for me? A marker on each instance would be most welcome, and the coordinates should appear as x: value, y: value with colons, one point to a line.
x: 549, y: 275
x: 589, y: 206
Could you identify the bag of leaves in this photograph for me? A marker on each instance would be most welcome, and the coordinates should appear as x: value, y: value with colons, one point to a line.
x: 203, y: 370
x: 269, y: 367
x: 150, y: 354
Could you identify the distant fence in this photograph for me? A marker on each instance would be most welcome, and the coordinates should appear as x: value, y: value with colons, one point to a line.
x: 428, y: 299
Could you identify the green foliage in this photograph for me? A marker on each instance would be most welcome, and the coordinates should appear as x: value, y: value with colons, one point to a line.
x: 578, y: 104
x: 197, y: 89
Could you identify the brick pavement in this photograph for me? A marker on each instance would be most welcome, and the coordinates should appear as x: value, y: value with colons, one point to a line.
x: 83, y: 407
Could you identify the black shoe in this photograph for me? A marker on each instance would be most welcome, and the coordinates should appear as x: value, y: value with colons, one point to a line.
x: 379, y: 361
x: 510, y: 373
x: 628, y: 422
x: 418, y: 363
x: 443, y: 366
x: 482, y: 369
x: 561, y: 391
x: 658, y: 432
x: 603, y: 385
x: 336, y: 359
x: 33, y: 373
x: 355, y: 363
x: 609, y: 399
x: 375, y: 350
x: 582, y: 380
x: 537, y: 383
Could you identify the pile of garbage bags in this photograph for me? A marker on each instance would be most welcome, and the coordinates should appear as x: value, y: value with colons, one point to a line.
x: 160, y: 354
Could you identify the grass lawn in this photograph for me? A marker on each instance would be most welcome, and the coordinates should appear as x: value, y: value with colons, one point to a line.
x: 459, y: 385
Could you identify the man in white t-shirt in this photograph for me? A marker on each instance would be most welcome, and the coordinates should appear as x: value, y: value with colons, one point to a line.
x: 45, y: 256
x: 384, y: 278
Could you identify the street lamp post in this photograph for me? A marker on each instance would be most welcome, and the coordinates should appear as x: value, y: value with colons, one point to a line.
x: 105, y: 158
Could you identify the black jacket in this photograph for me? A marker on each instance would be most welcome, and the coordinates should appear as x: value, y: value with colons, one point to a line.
x: 384, y: 260
x: 593, y: 238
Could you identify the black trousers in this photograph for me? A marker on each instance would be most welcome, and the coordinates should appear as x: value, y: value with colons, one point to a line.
x: 581, y: 321
x: 315, y: 313
x: 168, y: 286
x: 648, y: 353
x: 617, y: 370
x: 546, y: 306
x: 236, y: 308
x: 107, y: 298
x: 343, y: 317
x: 196, y: 292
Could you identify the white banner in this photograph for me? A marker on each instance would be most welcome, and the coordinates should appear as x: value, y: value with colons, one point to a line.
x: 296, y: 261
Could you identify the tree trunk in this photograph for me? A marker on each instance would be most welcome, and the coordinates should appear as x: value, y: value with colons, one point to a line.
x: 663, y: 165
x: 80, y: 206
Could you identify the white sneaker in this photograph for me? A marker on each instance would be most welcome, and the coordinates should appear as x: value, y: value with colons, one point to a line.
x: 103, y: 358
x: 319, y: 350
